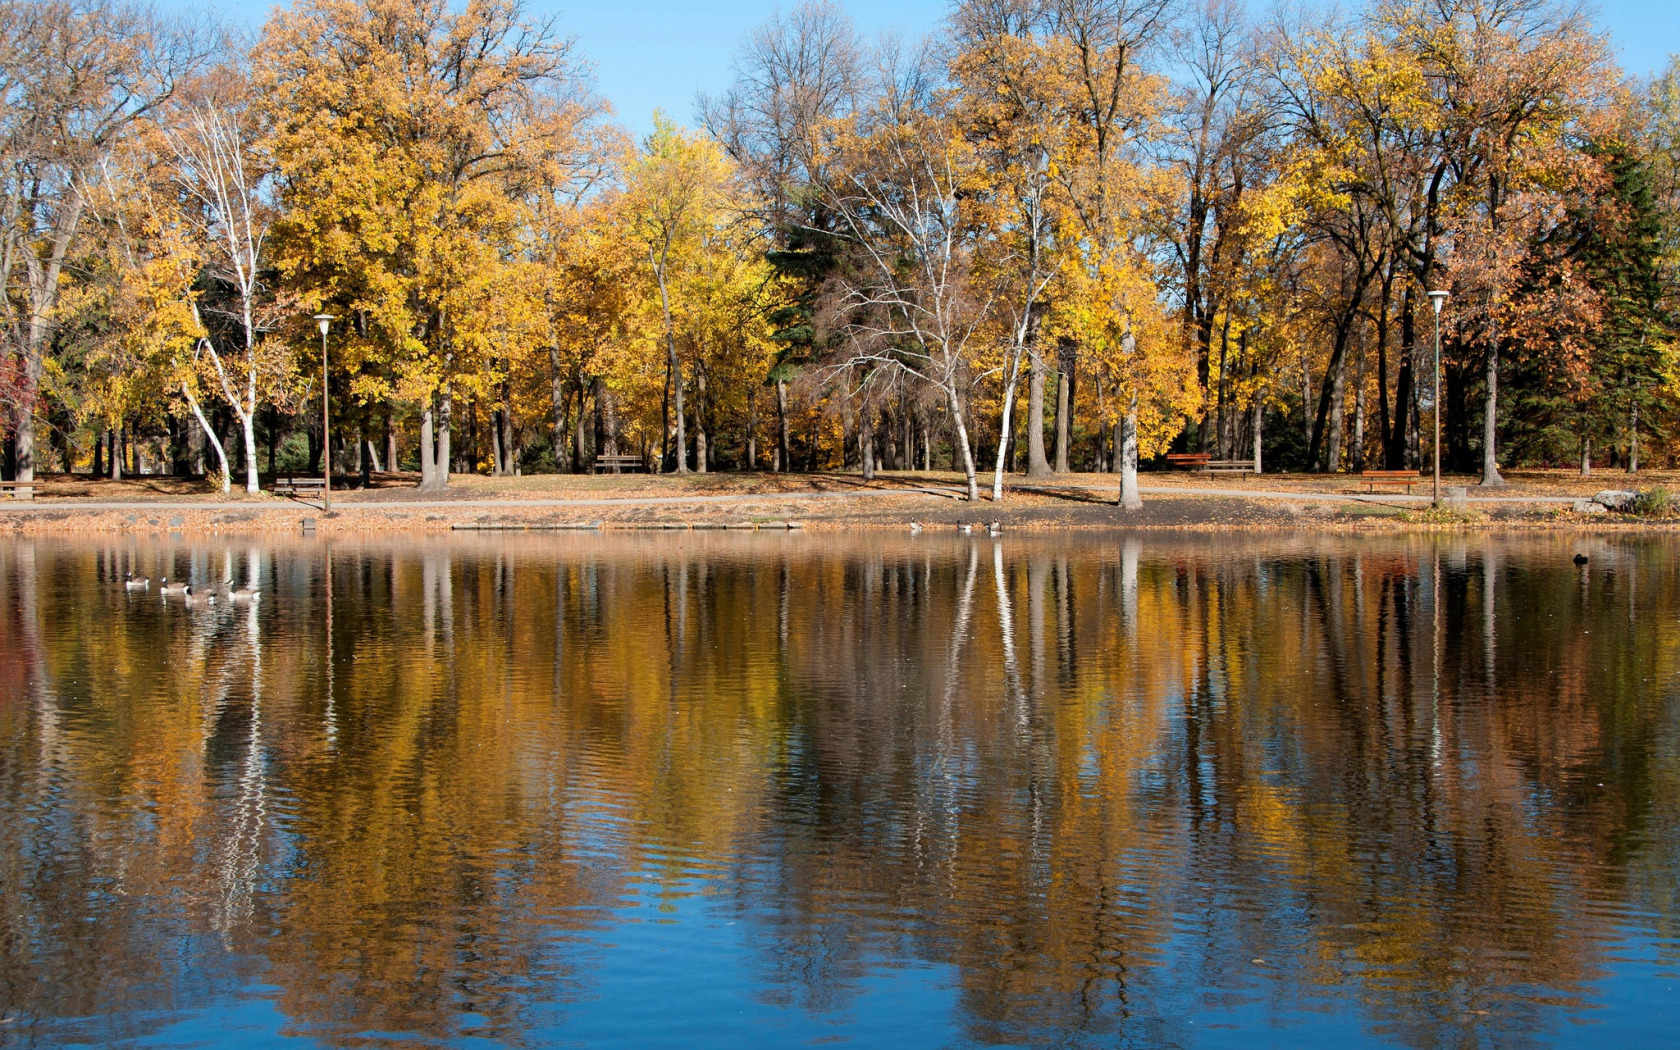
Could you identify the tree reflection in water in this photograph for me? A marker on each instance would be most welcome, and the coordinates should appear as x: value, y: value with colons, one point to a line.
x: 1074, y: 788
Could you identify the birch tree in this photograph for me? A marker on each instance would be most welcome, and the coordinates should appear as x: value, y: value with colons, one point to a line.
x: 900, y: 189
x: 220, y: 174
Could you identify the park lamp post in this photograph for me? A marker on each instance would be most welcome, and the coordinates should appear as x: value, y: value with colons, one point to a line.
x: 325, y: 321
x: 1438, y: 299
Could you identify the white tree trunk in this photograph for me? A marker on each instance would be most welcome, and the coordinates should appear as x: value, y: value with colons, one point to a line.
x: 1129, y: 497
x: 962, y: 440
x: 248, y: 426
x: 1004, y: 429
x: 215, y: 442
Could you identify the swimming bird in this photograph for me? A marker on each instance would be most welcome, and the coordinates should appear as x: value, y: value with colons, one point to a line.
x: 915, y: 527
x: 994, y: 528
x: 136, y: 583
x: 165, y: 587
x: 242, y: 594
x: 199, y: 599
x: 1580, y: 559
x: 966, y: 528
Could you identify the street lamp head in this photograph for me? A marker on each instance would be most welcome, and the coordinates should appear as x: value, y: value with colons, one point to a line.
x: 325, y: 321
x: 1438, y: 298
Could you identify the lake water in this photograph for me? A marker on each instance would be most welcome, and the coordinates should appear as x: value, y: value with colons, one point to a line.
x: 769, y: 789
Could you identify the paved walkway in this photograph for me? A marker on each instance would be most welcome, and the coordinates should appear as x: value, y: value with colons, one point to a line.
x: 353, y: 503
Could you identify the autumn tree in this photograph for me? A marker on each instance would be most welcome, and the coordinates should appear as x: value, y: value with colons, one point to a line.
x: 677, y: 192
x: 75, y: 76
x: 402, y: 131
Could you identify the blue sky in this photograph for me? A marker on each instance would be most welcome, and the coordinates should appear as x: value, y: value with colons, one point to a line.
x: 658, y: 53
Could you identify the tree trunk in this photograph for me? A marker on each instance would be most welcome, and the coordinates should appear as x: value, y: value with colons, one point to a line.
x: 866, y: 442
x: 1338, y: 397
x: 1633, y: 439
x: 391, y: 463
x: 674, y: 367
x: 1259, y: 431
x: 606, y: 415
x: 440, y: 473
x: 1064, y: 410
x: 961, y: 432
x: 434, y: 444
x: 752, y: 429
x: 1037, y: 465
x: 1357, y: 456
x: 557, y: 399
x: 1586, y: 457
x: 783, y: 457
x: 510, y: 461
x: 1129, y: 497
x: 1005, y: 425
x: 1490, y: 420
x: 701, y: 448
x: 427, y: 444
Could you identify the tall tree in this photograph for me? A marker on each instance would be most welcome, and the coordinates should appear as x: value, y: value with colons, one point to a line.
x: 75, y: 77
x: 403, y: 133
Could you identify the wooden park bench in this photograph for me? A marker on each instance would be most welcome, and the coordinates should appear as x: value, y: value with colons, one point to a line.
x: 617, y: 464
x: 1189, y: 460
x: 1372, y: 478
x: 290, y: 486
x: 18, y: 489
x: 1229, y: 466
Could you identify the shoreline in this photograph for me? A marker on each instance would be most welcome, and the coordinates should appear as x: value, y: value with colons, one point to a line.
x: 816, y: 502
x: 1180, y: 513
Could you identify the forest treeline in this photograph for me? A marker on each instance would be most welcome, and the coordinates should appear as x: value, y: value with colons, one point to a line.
x: 1055, y: 235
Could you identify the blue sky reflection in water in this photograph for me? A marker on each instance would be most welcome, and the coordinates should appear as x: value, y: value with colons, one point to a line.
x: 725, y: 790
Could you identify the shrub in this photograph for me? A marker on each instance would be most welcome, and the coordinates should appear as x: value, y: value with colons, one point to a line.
x: 1442, y: 515
x: 1654, y: 502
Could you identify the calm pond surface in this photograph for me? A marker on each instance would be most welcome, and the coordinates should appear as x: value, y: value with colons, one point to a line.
x: 737, y: 790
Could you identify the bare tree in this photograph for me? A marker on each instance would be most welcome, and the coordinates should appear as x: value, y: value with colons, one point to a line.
x: 218, y: 172
x: 906, y: 301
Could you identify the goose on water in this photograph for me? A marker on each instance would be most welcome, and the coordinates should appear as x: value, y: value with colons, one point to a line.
x: 994, y: 528
x: 165, y: 587
x: 243, y: 594
x: 966, y: 528
x: 208, y: 598
x: 136, y: 583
